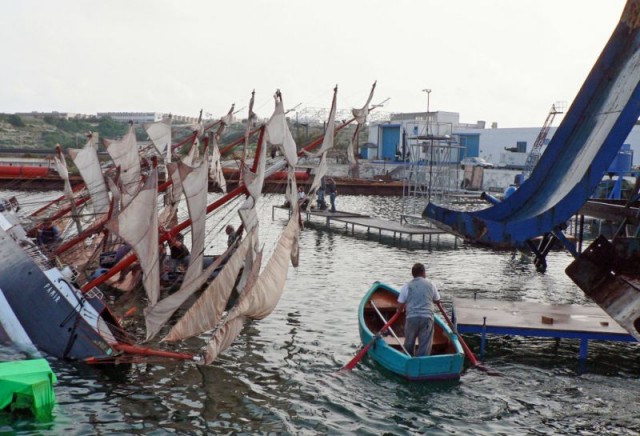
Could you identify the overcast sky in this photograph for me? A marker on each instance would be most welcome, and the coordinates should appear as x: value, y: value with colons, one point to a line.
x: 494, y: 60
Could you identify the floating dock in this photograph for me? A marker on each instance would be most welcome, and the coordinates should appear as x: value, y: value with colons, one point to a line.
x: 526, y: 318
x: 408, y: 231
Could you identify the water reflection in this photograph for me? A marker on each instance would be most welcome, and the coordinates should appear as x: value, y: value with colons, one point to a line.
x: 279, y: 376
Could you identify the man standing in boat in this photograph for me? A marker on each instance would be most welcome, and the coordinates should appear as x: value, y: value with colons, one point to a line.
x: 416, y: 299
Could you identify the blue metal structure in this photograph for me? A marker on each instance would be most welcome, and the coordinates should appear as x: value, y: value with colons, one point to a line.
x: 390, y: 134
x: 584, y: 337
x: 583, y: 147
x: 471, y: 144
x: 447, y: 357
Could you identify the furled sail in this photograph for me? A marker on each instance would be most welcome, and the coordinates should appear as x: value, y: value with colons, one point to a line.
x: 137, y: 224
x: 160, y: 135
x: 207, y: 310
x: 278, y: 132
x: 86, y: 160
x: 125, y: 155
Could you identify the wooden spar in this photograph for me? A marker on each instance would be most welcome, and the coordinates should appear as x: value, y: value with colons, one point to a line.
x: 67, y: 209
x: 76, y: 188
x: 164, y: 236
x: 238, y: 141
x: 146, y: 351
x: 128, y: 260
x: 95, y: 228
x: 192, y: 136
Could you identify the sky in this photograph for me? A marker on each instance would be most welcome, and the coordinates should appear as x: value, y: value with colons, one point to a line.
x: 503, y: 61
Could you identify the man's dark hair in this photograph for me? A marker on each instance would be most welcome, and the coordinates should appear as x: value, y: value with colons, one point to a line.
x: 417, y: 270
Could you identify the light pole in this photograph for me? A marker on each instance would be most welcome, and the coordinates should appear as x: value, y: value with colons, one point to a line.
x: 428, y: 91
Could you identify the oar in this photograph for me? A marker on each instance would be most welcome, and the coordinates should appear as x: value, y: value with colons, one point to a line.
x: 465, y: 347
x: 353, y: 362
x: 390, y: 329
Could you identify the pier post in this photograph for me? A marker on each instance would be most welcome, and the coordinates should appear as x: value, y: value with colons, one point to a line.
x: 584, y: 348
x: 483, y: 337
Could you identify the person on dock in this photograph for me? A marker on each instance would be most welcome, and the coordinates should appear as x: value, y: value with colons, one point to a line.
x: 416, y: 299
x: 303, y: 200
x: 333, y: 192
x: 322, y: 204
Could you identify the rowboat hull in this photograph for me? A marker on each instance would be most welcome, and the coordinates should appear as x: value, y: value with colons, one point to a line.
x: 447, y: 356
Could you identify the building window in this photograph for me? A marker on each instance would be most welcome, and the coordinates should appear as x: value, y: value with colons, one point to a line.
x: 521, y: 146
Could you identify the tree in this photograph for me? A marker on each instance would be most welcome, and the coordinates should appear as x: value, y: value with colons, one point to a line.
x: 15, y: 121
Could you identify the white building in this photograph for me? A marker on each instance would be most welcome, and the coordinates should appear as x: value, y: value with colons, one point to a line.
x: 504, y: 147
x: 136, y: 117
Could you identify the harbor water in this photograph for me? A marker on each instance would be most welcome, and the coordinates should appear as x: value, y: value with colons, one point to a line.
x: 280, y: 374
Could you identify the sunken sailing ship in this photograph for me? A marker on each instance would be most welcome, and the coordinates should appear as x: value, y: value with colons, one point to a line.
x: 52, y: 290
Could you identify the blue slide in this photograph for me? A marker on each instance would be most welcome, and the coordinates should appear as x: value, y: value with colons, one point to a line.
x: 584, y: 145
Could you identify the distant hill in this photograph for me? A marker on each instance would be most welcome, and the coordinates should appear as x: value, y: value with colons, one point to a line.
x: 18, y: 131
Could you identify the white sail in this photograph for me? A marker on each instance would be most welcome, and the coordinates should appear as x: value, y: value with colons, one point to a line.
x: 125, y: 155
x: 362, y: 113
x: 159, y: 314
x: 255, y: 181
x: 116, y: 196
x: 137, y: 224
x: 321, y: 171
x: 330, y: 132
x: 259, y: 301
x: 86, y: 160
x: 61, y: 167
x: 278, y: 133
x: 215, y: 166
x: 223, y: 338
x: 193, y: 180
x: 176, y: 182
x: 260, y: 294
x: 207, y: 311
x: 194, y: 153
x: 160, y: 135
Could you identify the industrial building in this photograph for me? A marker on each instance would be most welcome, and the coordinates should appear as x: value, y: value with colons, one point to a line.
x: 503, y: 147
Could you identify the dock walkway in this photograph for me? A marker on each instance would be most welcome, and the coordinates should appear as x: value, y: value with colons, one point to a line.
x: 526, y: 318
x: 355, y: 219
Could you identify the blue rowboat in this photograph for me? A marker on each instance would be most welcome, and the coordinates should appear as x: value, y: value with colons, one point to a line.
x: 447, y: 356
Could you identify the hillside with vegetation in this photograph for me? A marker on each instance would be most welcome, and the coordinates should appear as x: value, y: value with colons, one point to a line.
x: 44, y: 133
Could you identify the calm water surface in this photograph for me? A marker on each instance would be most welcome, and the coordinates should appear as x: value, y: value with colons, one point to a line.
x: 279, y: 376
